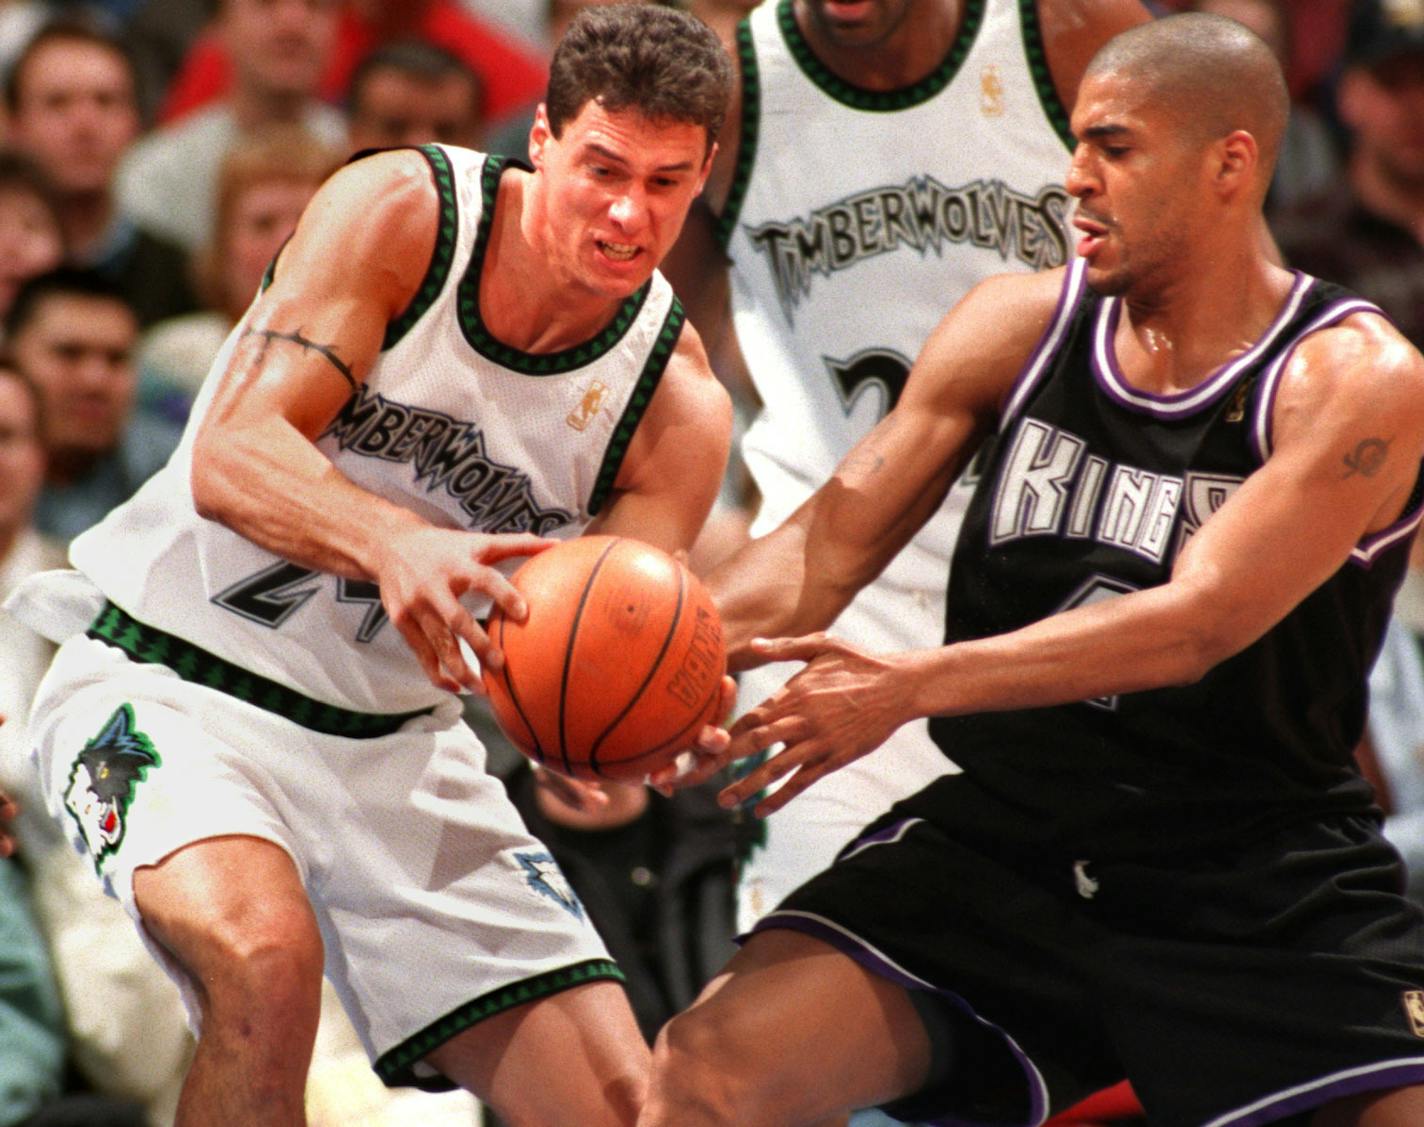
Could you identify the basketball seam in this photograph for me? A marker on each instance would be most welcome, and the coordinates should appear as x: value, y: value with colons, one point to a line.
x: 508, y: 676
x: 695, y: 722
x: 647, y: 680
x: 568, y: 660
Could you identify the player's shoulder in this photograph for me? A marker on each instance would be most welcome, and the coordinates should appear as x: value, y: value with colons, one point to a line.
x: 1359, y: 370
x: 690, y: 376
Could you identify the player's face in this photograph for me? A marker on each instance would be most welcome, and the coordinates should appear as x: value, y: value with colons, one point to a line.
x: 854, y: 23
x: 617, y: 188
x: 1135, y: 178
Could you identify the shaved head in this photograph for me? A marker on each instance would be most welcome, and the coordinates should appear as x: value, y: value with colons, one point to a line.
x: 1214, y: 75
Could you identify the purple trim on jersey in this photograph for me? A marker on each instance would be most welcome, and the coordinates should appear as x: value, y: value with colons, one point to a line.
x: 1369, y: 549
x: 1324, y: 1090
x: 1114, y: 385
x: 1048, y: 344
x: 878, y: 963
x: 1266, y: 394
x: 891, y: 833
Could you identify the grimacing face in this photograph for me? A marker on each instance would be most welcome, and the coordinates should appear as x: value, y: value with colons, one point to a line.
x: 618, y: 187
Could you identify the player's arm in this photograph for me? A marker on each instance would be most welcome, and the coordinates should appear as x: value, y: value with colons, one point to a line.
x: 673, y: 469
x: 1349, y: 437
x: 801, y: 575
x: 357, y: 257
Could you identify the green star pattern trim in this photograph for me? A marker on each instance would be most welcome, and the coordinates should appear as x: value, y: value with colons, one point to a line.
x: 638, y: 401
x: 443, y: 256
x: 747, y: 140
x: 484, y: 342
x: 150, y: 646
x: 396, y: 1066
x: 1037, y: 56
x: 881, y: 101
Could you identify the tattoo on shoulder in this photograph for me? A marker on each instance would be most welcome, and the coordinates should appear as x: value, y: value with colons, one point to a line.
x: 1367, y: 458
x: 268, y: 336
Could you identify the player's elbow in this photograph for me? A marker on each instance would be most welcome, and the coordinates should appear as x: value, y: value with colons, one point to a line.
x: 211, y: 479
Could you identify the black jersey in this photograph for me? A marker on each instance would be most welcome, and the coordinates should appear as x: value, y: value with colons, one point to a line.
x: 1091, y: 490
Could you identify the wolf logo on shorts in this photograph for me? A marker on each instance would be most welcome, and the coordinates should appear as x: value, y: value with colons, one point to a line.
x: 102, y: 780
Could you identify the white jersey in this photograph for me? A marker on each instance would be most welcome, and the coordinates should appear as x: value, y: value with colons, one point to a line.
x: 855, y: 220
x: 895, y: 204
x: 451, y: 424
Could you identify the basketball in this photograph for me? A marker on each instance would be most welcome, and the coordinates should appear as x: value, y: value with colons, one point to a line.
x: 618, y: 664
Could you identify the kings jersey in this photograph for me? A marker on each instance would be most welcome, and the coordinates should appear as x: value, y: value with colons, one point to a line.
x: 451, y: 423
x: 1091, y: 492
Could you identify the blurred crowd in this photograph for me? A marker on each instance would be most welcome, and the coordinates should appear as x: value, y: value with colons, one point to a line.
x: 155, y: 154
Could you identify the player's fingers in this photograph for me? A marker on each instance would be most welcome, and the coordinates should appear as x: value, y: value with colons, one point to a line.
x: 790, y: 649
x: 503, y: 594
x: 416, y: 637
x: 443, y: 627
x: 729, y: 699
x: 749, y: 785
x: 504, y: 545
x: 808, y: 774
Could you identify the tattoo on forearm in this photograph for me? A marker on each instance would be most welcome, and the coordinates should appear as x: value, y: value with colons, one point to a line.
x: 1367, y: 458
x: 325, y: 350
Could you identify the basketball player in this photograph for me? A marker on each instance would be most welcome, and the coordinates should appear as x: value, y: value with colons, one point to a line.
x: 885, y: 157
x: 256, y: 738
x: 1159, y: 859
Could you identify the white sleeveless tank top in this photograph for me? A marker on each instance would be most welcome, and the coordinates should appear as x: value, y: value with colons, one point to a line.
x: 451, y: 423
x: 856, y: 220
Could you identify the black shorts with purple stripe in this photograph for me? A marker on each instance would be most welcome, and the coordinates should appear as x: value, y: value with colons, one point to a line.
x: 1234, y: 989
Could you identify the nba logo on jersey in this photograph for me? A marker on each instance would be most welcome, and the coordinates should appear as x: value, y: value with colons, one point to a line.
x: 588, y: 406
x: 1414, y: 1010
x: 991, y: 92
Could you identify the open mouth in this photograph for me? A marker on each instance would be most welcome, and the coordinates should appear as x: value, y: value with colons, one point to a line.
x: 1094, y: 235
x: 618, y: 252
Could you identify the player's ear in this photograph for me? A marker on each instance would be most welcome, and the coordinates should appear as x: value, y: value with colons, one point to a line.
x: 539, y: 136
x: 1235, y: 156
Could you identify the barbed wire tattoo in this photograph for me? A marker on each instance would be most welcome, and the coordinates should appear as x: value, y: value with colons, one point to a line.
x: 324, y: 350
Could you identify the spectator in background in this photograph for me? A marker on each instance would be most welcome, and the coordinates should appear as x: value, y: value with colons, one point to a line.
x: 64, y: 994
x: 31, y: 239
x: 264, y: 183
x: 73, y: 333
x: 1367, y: 232
x: 72, y: 97
x: 1308, y: 163
x: 278, y: 49
x: 510, y: 76
x: 410, y: 92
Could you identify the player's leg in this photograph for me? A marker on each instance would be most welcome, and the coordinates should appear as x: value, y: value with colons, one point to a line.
x: 232, y: 914
x: 1403, y: 1107
x: 573, y: 1057
x: 793, y: 1032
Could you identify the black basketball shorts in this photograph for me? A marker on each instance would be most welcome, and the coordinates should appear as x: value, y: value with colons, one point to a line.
x: 1233, y: 991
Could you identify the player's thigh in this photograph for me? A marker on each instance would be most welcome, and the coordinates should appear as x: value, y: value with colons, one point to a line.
x: 575, y: 1056
x: 1403, y: 1107
x: 804, y: 1026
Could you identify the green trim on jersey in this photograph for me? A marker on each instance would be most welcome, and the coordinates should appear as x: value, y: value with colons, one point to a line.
x: 747, y: 138
x: 150, y: 646
x: 1037, y: 57
x: 642, y: 395
x: 443, y: 256
x: 397, y: 1066
x: 881, y: 101
x: 484, y: 342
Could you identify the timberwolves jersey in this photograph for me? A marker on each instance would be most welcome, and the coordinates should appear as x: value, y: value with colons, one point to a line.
x: 1091, y: 491
x: 895, y: 204
x: 451, y: 424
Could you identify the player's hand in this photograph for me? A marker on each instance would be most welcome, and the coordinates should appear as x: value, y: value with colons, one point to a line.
x: 422, y: 572
x: 706, y: 756
x: 842, y: 705
x: 582, y: 795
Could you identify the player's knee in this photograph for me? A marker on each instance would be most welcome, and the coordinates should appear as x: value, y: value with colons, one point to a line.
x: 700, y: 1065
x: 267, y: 962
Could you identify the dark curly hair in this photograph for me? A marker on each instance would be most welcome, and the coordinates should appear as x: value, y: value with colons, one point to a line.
x: 665, y: 64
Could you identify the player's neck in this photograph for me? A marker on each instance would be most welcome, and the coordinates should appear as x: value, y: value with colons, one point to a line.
x: 1177, y: 336
x: 525, y: 301
x: 907, y: 53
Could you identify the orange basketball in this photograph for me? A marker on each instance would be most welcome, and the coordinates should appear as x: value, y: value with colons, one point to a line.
x: 618, y: 665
